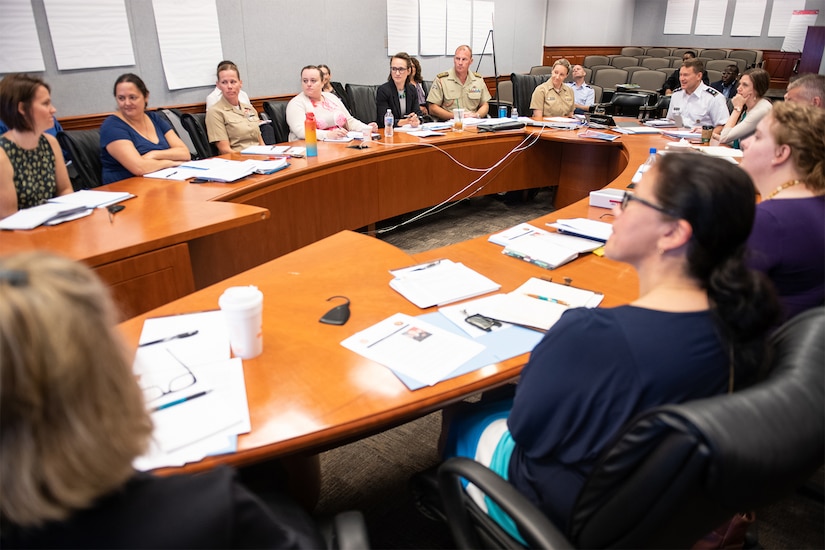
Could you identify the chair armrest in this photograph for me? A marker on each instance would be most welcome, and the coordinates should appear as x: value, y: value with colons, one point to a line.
x: 534, y: 526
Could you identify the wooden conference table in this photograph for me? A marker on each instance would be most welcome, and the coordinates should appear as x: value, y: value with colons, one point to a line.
x: 306, y: 392
x: 177, y: 237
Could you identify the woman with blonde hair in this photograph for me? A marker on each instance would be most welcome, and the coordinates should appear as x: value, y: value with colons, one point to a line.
x: 231, y: 124
x: 72, y: 421
x: 785, y: 157
x: 554, y: 97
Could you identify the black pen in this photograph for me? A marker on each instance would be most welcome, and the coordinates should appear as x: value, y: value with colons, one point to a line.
x: 179, y: 401
x: 168, y: 338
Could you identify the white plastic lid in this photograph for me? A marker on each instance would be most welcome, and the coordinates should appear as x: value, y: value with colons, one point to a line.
x: 240, y: 297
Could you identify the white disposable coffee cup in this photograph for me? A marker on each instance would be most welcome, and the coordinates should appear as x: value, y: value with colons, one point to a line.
x: 243, y: 308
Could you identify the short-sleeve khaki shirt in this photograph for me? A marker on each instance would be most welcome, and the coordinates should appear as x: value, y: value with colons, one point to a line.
x: 551, y: 102
x: 448, y: 92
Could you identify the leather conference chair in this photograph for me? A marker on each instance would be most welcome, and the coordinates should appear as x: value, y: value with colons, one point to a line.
x: 342, y: 95
x: 677, y: 471
x: 276, y: 109
x: 523, y: 87
x: 363, y: 104
x: 195, y: 125
x: 84, y: 148
x: 629, y: 103
x: 174, y: 118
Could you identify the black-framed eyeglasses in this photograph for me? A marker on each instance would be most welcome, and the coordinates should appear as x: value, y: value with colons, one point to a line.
x: 176, y: 384
x: 628, y: 196
x: 399, y: 69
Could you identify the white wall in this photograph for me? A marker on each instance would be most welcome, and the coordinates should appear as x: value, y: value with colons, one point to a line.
x: 590, y: 22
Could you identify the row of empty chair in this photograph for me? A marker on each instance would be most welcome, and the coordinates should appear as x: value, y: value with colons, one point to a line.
x: 753, y: 57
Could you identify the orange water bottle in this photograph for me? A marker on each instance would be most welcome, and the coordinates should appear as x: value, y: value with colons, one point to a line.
x: 310, y: 135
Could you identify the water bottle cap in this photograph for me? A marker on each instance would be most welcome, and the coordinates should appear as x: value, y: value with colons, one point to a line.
x: 652, y: 150
x: 310, y: 116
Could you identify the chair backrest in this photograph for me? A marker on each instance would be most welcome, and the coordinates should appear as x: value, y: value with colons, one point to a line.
x: 679, y: 470
x: 714, y: 53
x: 751, y: 57
x: 541, y: 69
x: 195, y: 125
x: 84, y: 148
x: 632, y: 50
x: 523, y: 87
x: 597, y: 93
x: 675, y: 60
x: 620, y: 62
x: 658, y: 52
x: 596, y: 68
x: 713, y: 75
x: 719, y: 64
x: 363, y: 105
x: 174, y: 118
x: 590, y: 60
x: 629, y: 103
x: 505, y: 91
x: 341, y: 92
x: 276, y: 109
x: 632, y: 70
x: 426, y: 84
x: 739, y: 62
x: 609, y: 78
x: 679, y: 52
x: 655, y: 63
x: 648, y: 80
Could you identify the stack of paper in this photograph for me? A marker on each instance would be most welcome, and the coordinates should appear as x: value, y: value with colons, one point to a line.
x: 683, y: 134
x: 91, y: 198
x: 440, y: 282
x: 62, y: 209
x: 549, y: 250
x: 503, y: 238
x: 536, y: 303
x: 195, y: 392
x: 413, y: 348
x: 661, y: 123
x: 212, y: 169
x: 583, y: 227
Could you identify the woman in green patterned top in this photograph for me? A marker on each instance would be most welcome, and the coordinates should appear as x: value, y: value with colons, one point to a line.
x: 32, y: 169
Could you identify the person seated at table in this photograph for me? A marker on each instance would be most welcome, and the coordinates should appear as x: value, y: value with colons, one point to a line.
x: 673, y: 82
x: 729, y: 81
x: 398, y: 95
x: 32, y: 168
x: 584, y: 95
x: 334, y: 88
x: 216, y: 94
x: 332, y: 119
x: 785, y: 157
x: 697, y: 329
x: 135, y: 142
x: 417, y: 80
x: 459, y: 88
x: 749, y: 107
x: 231, y: 124
x: 72, y: 421
x: 554, y: 97
x: 698, y: 104
x: 807, y: 88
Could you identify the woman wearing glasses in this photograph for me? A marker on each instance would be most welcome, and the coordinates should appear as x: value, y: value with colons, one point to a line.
x: 398, y: 94
x: 72, y: 421
x: 696, y: 329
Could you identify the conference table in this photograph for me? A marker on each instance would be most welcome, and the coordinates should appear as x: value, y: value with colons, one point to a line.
x: 306, y: 392
x: 176, y: 237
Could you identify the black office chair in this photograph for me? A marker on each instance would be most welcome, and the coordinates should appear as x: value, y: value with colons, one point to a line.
x: 342, y: 94
x: 629, y: 103
x: 678, y: 471
x: 84, y: 148
x: 523, y: 87
x: 276, y: 109
x: 363, y: 104
x: 195, y: 125
x: 174, y: 118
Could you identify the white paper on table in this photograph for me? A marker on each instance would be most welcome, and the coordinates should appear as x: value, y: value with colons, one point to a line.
x: 503, y: 238
x: 440, y: 282
x: 265, y: 150
x: 584, y: 227
x: 92, y: 198
x: 413, y: 348
x: 48, y: 213
x: 211, y: 343
x: 425, y: 133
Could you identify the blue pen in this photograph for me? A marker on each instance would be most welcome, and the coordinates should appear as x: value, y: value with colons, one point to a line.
x: 179, y: 401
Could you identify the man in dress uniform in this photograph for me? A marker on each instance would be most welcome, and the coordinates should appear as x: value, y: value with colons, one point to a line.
x: 696, y: 102
x: 459, y: 88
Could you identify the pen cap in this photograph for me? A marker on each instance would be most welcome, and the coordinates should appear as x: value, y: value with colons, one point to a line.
x: 243, y: 310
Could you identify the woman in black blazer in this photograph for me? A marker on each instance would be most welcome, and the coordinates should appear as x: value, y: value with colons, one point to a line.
x: 398, y: 95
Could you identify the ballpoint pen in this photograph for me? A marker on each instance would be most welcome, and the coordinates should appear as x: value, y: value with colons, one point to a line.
x: 168, y: 338
x: 546, y: 299
x: 179, y: 401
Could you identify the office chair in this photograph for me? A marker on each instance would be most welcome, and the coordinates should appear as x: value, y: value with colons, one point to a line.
x: 714, y: 53
x: 84, y: 148
x: 342, y: 94
x: 195, y: 125
x: 276, y: 109
x: 621, y: 61
x: 629, y: 103
x: 655, y: 63
x: 658, y: 52
x: 632, y: 51
x: 677, y: 471
x: 541, y: 69
x: 523, y: 86
x: 174, y: 118
x: 591, y: 60
x: 751, y: 58
x: 648, y: 79
x: 363, y: 104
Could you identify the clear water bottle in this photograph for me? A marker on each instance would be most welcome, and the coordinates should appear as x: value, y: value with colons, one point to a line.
x: 651, y: 159
x: 389, y: 122
x: 514, y: 113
